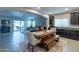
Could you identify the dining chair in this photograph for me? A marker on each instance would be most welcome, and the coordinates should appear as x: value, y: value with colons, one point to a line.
x: 32, y: 41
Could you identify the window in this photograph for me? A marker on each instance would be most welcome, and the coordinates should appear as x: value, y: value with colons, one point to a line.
x: 30, y: 23
x: 33, y: 23
x: 62, y: 22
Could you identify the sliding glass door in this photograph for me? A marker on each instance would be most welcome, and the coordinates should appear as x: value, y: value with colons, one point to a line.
x: 18, y: 25
x: 22, y: 26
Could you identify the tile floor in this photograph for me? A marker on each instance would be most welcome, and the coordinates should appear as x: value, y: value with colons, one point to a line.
x: 70, y: 45
x: 12, y: 42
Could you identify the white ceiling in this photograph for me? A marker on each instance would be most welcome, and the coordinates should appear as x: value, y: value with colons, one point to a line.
x: 17, y: 12
x: 56, y: 10
x: 44, y: 10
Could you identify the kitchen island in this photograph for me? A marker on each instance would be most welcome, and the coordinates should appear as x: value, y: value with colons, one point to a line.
x: 72, y: 33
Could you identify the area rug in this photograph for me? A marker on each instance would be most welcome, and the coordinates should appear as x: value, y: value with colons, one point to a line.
x: 59, y: 47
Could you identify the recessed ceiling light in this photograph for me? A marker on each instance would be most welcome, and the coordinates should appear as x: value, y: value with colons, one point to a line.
x: 66, y: 9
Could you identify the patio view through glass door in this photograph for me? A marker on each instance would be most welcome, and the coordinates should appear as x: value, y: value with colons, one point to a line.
x: 18, y: 25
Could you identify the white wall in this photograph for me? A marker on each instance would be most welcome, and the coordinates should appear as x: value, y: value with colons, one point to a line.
x: 66, y: 15
x: 62, y: 17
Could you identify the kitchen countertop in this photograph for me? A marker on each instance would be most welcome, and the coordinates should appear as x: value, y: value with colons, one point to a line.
x: 68, y: 28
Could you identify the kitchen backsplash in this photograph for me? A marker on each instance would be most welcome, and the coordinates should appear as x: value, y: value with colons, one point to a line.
x: 74, y: 26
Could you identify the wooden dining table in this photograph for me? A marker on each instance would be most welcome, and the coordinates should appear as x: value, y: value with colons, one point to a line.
x: 47, y: 38
x: 43, y: 34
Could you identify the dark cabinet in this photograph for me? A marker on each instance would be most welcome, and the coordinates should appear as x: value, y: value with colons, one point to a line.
x: 5, y: 26
x: 75, y: 18
x: 72, y: 34
x: 5, y: 29
x: 51, y: 20
x: 72, y: 18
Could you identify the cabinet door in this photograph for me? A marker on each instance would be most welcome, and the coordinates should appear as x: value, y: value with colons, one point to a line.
x: 78, y: 18
x: 75, y: 18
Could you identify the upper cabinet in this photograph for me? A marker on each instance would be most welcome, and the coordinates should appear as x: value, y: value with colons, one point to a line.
x: 75, y: 18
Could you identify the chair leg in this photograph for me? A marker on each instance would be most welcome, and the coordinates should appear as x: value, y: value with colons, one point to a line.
x: 28, y: 45
x: 33, y: 48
